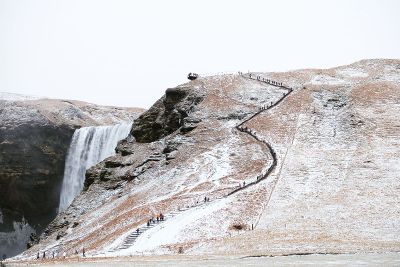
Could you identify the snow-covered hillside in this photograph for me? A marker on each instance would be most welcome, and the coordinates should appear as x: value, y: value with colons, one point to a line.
x: 336, y: 143
x: 17, y: 97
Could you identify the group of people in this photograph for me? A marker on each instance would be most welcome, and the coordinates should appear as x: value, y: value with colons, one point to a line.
x: 54, y: 254
x: 264, y: 107
x: 257, y: 178
x: 247, y: 130
x: 259, y: 78
x: 269, y: 81
x: 159, y: 218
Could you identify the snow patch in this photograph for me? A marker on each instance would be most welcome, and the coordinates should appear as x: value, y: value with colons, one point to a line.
x: 350, y: 72
x: 391, y: 77
x: 17, y: 97
x: 174, y: 230
x: 328, y: 80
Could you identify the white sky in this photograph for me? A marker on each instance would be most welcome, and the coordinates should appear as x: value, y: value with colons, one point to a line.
x: 127, y: 53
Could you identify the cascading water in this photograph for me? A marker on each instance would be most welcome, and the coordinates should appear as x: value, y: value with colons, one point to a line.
x: 89, y: 146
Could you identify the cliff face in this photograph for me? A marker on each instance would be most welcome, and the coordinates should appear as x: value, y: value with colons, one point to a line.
x: 315, y: 154
x: 34, y: 139
x: 166, y: 115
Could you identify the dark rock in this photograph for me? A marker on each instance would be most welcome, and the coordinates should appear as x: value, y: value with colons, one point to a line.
x: 189, y: 124
x: 239, y: 115
x: 171, y: 155
x: 60, y: 235
x: 95, y: 173
x: 55, y: 226
x: 188, y: 128
x: 166, y: 115
x: 170, y: 146
x: 132, y: 174
x: 33, y: 240
x: 104, y: 175
x: 124, y: 147
x: 91, y: 175
x: 113, y: 186
x: 113, y: 164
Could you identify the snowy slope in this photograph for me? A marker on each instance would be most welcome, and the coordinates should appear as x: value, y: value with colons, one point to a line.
x: 335, y: 187
x: 17, y: 97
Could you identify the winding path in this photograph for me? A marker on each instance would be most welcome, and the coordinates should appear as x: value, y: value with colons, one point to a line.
x: 253, y: 134
x: 131, y: 238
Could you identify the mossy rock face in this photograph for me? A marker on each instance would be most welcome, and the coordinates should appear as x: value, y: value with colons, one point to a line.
x: 166, y: 115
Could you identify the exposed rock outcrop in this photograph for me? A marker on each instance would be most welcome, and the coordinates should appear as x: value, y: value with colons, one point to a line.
x: 168, y: 114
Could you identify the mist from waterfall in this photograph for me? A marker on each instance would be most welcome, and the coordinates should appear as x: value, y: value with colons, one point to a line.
x: 89, y: 146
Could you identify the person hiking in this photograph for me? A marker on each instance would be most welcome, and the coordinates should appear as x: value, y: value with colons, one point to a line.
x: 44, y: 254
x: 64, y: 254
x: 83, y: 252
x: 137, y: 231
x: 38, y: 255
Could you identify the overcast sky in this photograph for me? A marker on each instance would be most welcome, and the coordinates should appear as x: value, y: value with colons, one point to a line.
x: 126, y: 53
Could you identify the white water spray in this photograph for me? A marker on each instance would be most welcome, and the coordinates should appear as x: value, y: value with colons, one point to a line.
x: 89, y: 146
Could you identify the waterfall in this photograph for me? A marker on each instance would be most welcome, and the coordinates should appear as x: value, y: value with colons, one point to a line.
x: 89, y: 146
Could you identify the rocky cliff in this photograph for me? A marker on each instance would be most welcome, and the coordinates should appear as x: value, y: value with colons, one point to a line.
x: 303, y: 161
x: 34, y: 139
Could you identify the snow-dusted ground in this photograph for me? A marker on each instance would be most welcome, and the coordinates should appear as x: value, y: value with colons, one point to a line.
x: 361, y: 259
x: 335, y: 188
x: 21, y: 109
x: 17, y: 97
x: 352, y: 72
x: 327, y: 80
